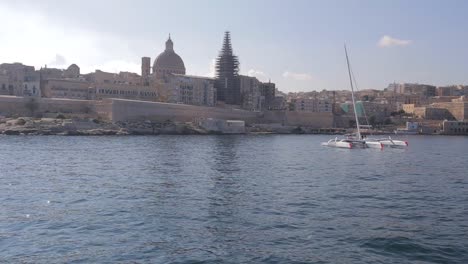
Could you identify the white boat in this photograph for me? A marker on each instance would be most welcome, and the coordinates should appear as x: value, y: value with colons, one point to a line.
x: 374, y: 144
x: 350, y: 142
x: 393, y: 143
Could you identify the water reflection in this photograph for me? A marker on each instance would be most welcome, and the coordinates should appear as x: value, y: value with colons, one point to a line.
x: 226, y: 195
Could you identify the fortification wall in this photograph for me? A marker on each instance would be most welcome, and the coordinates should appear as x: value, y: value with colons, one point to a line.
x: 458, y: 109
x: 130, y: 110
x: 12, y: 105
x: 310, y: 119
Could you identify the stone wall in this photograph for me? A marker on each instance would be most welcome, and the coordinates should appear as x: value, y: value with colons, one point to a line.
x: 310, y: 119
x: 433, y: 113
x: 24, y: 106
x: 131, y: 110
x: 459, y: 110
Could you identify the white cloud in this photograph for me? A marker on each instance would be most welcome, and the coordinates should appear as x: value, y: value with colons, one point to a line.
x: 59, y: 61
x: 387, y: 41
x: 297, y: 76
x: 258, y: 74
x: 34, y: 39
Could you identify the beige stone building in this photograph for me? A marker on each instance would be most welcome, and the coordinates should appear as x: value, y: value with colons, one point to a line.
x: 102, y: 91
x: 17, y: 74
x: 5, y: 88
x: 78, y: 89
x: 433, y: 113
x: 100, y: 77
x: 62, y: 88
x: 317, y: 105
x: 408, y: 108
x: 186, y: 89
x: 458, y: 109
x: 455, y: 127
x: 32, y: 88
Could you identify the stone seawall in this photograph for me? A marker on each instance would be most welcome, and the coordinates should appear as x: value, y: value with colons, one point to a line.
x: 131, y: 110
x: 27, y: 106
x: 116, y: 110
x: 312, y: 120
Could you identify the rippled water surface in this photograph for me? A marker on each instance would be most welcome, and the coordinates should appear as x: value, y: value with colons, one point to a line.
x: 231, y: 199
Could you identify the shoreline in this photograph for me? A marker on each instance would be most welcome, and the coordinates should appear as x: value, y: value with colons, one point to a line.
x: 61, y: 126
x: 28, y: 126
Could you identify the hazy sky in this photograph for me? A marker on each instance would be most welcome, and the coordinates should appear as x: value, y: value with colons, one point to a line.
x: 298, y: 44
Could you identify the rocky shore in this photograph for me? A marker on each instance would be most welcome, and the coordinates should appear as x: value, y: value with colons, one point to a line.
x: 61, y: 125
x: 91, y: 127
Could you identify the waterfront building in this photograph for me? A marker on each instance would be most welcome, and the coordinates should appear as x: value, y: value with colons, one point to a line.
x: 268, y: 91
x: 455, y: 127
x: 317, y: 105
x: 168, y: 62
x: 223, y: 126
x: 51, y: 73
x: 457, y: 108
x: 419, y: 89
x: 85, y: 90
x: 408, y: 108
x: 227, y: 74
x: 432, y: 112
x: 62, y: 88
x: 114, y: 78
x: 72, y: 72
x: 451, y: 90
x: 145, y: 70
x: 278, y: 103
x: 397, y: 88
x: 412, y: 88
x: 187, y: 89
x: 251, y: 97
x: 102, y: 91
x: 374, y: 112
x: 17, y: 74
x: 5, y: 88
x: 31, y: 88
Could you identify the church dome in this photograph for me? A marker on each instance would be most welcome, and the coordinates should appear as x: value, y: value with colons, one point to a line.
x: 168, y: 61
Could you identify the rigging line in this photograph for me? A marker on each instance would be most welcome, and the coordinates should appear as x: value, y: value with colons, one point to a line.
x: 352, y: 94
x: 357, y: 89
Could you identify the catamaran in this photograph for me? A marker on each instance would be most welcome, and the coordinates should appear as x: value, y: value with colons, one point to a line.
x: 357, y: 141
x: 388, y: 142
x: 352, y: 141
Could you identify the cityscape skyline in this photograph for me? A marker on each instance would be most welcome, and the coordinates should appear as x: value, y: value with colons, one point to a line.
x: 385, y: 45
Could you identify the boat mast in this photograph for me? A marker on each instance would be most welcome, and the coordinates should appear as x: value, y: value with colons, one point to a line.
x: 352, y: 95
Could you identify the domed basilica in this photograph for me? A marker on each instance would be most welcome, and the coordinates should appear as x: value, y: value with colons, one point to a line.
x: 168, y: 61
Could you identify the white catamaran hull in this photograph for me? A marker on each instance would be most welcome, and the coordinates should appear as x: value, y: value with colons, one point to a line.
x: 394, y: 143
x: 374, y: 144
x: 338, y: 144
x: 345, y: 143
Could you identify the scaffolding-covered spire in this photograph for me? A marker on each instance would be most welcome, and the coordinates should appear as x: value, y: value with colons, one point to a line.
x: 227, y: 72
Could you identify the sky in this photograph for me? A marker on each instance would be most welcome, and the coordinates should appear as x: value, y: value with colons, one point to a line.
x: 297, y: 44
